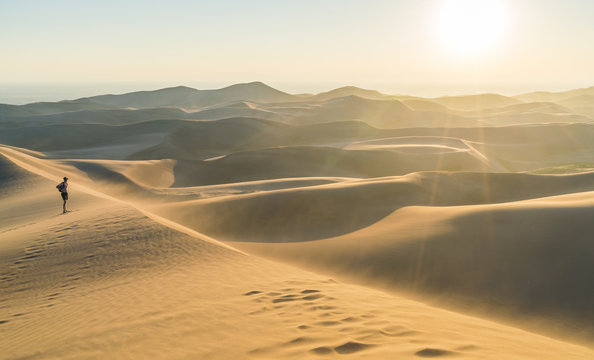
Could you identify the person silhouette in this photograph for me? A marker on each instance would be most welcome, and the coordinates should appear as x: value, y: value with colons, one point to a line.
x: 63, y: 188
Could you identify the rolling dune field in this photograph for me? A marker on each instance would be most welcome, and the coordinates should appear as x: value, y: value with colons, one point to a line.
x: 249, y: 223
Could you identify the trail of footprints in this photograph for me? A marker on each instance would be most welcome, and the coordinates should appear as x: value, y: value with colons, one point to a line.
x: 41, y: 247
x: 23, y: 273
x: 364, y: 331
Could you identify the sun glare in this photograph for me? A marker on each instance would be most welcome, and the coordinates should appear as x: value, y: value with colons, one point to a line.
x: 470, y: 27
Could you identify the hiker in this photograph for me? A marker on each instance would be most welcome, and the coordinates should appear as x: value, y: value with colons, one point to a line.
x: 63, y: 188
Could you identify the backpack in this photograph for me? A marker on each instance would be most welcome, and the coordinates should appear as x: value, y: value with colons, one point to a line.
x: 60, y: 187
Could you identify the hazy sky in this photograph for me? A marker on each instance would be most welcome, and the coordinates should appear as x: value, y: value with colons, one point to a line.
x: 396, y: 46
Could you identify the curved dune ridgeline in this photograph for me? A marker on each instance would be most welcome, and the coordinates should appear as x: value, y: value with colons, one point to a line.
x: 366, y: 203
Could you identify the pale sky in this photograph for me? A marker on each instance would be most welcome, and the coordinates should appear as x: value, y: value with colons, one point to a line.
x: 393, y: 46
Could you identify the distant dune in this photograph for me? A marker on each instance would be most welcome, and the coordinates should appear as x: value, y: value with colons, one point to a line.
x: 555, y: 96
x: 48, y: 108
x: 475, y: 102
x: 349, y: 91
x: 385, y: 114
x: 379, y: 212
x: 359, y: 200
x: 289, y: 162
x: 185, y: 97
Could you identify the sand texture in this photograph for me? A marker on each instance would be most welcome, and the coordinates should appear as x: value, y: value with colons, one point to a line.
x: 248, y: 223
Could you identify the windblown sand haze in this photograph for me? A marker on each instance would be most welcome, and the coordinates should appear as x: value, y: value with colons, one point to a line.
x: 250, y: 223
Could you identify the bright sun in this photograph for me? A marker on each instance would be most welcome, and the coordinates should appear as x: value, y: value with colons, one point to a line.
x: 471, y: 27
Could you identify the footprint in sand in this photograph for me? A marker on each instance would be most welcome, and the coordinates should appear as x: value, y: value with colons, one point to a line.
x: 351, y: 347
x: 429, y: 352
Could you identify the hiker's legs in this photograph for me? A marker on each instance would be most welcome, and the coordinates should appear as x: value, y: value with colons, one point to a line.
x: 65, y: 198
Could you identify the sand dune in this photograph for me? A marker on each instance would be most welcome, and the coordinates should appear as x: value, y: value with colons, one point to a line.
x: 535, y: 118
x: 475, y: 102
x: 348, y: 91
x: 494, y: 259
x: 90, y: 140
x: 94, y: 273
x: 582, y: 104
x: 506, y: 115
x: 104, y: 117
x: 542, y: 107
x: 579, y: 100
x: 319, y: 161
x: 188, y: 140
x: 377, y: 234
x: 201, y: 140
x: 47, y: 108
x: 204, y: 140
x: 319, y: 212
x: 232, y: 111
x: 130, y: 116
x: 554, y: 96
x: 383, y: 114
x: 480, y: 204
x: 185, y: 97
x: 425, y: 105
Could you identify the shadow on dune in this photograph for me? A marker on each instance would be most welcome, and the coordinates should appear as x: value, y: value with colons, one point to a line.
x: 12, y: 177
x: 112, y: 182
x: 319, y: 212
x: 292, y: 215
x: 530, y: 262
x: 531, y: 265
x: 309, y: 161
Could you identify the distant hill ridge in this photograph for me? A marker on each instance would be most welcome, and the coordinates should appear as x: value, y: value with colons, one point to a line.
x: 188, y: 98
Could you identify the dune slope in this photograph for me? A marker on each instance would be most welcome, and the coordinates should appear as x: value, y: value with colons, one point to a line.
x: 106, y: 281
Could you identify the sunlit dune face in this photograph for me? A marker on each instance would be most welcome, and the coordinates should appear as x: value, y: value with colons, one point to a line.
x: 470, y: 27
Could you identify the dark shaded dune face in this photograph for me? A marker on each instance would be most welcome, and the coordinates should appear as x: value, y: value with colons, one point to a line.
x: 503, y: 261
x: 524, y: 263
x: 229, y: 134
x: 332, y: 210
x: 13, y: 178
x: 104, y: 117
x: 203, y: 139
x: 47, y: 108
x: 9, y: 172
x: 186, y: 97
x: 7, y: 110
x: 142, y: 99
x: 112, y: 182
x: 82, y: 137
x: 294, y: 215
x: 317, y: 161
x: 531, y: 263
